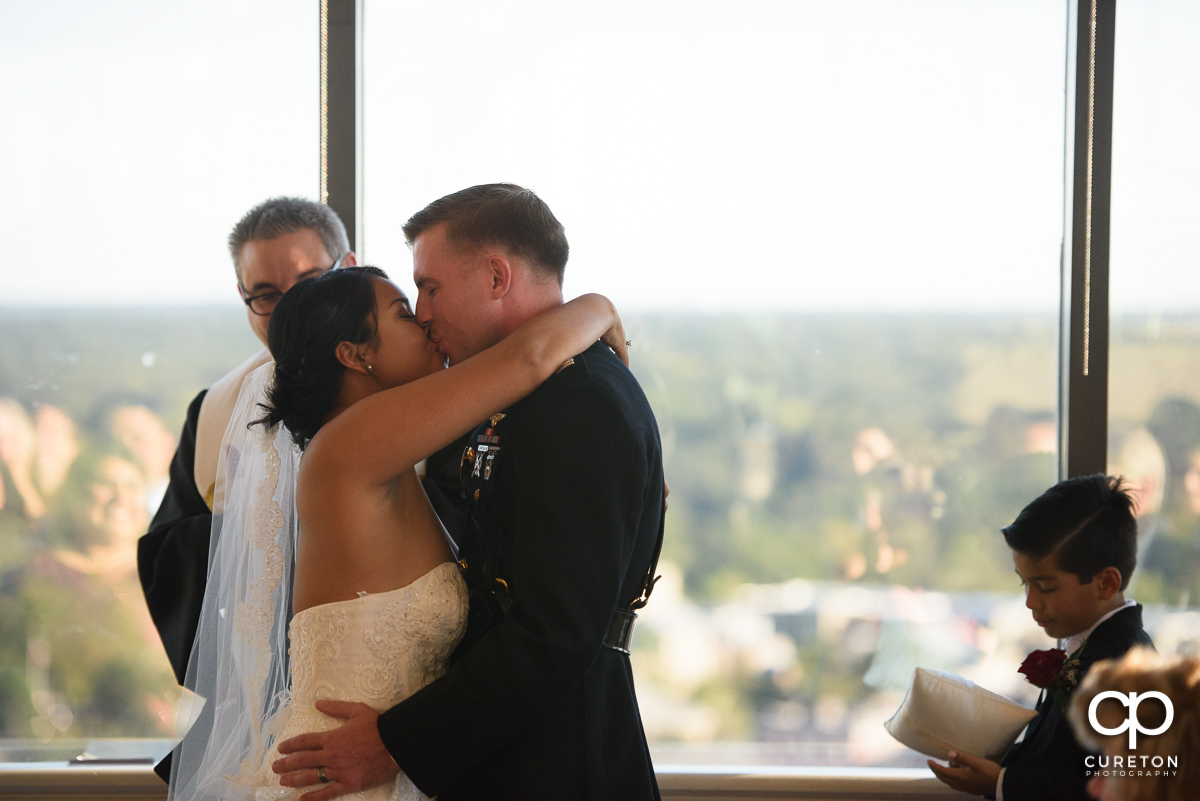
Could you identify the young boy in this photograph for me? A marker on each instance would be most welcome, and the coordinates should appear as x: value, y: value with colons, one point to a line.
x: 1074, y: 548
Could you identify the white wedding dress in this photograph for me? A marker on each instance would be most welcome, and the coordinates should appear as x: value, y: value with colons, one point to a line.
x: 259, y: 669
x: 378, y: 649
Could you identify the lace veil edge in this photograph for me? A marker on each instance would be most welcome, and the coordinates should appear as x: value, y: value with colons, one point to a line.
x: 238, y: 663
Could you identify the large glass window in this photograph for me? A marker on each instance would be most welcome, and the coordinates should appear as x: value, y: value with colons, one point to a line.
x: 136, y: 133
x: 833, y: 229
x: 1154, y: 382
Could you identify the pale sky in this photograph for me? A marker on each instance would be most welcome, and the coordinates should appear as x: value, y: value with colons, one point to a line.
x: 702, y: 155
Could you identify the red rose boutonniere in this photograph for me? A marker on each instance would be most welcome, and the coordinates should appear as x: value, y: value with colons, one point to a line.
x: 1054, y: 672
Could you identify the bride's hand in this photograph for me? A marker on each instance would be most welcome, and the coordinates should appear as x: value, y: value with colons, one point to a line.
x: 554, y: 336
x: 614, y: 337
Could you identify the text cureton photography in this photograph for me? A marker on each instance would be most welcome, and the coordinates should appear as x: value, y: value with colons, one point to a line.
x: 1131, y: 765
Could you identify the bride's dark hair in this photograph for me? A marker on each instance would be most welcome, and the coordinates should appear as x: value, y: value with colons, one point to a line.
x: 305, y: 329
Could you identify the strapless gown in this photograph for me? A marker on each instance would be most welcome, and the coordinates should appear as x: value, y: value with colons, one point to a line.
x: 378, y: 649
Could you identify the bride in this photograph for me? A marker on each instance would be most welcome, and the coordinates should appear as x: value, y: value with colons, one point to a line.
x: 376, y: 603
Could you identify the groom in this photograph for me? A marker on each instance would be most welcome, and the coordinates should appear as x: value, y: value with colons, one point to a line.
x: 563, y: 497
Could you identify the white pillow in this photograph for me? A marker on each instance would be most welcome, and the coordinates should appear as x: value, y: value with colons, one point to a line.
x: 944, y: 712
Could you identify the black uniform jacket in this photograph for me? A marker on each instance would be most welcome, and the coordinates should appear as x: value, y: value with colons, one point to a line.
x: 564, y: 494
x: 1048, y: 763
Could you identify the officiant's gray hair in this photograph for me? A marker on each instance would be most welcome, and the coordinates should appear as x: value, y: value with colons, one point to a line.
x: 280, y: 216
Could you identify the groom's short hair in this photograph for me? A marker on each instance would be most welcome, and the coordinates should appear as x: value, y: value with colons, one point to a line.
x: 498, y: 214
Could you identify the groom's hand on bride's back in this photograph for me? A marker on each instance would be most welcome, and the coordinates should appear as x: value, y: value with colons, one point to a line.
x: 352, y: 756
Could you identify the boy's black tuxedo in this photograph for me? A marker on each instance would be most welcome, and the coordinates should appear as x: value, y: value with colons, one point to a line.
x: 1048, y: 763
x: 565, y: 508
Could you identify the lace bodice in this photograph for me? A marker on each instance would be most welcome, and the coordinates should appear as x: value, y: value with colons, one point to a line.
x: 378, y: 649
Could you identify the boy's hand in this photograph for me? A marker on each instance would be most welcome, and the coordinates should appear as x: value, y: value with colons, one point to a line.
x: 967, y: 774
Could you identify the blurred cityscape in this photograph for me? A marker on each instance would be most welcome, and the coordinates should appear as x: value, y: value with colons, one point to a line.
x: 837, y: 487
x: 806, y: 673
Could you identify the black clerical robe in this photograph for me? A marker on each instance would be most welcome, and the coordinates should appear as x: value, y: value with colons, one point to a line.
x: 173, y: 554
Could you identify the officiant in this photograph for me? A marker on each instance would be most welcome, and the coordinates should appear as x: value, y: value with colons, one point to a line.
x: 275, y: 245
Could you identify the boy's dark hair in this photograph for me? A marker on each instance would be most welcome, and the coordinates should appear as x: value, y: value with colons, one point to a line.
x: 1087, y: 521
x: 498, y: 214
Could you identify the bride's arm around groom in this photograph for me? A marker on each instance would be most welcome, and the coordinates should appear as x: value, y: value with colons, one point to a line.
x: 564, y: 508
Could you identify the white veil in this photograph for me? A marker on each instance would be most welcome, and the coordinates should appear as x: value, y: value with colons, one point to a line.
x: 239, y: 658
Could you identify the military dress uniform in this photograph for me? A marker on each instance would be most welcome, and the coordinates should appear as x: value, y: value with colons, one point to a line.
x: 564, y: 510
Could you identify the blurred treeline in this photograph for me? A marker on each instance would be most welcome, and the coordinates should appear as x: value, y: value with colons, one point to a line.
x: 91, y: 403
x: 879, y: 448
x: 893, y: 448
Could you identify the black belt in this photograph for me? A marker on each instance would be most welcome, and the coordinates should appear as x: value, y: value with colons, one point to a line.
x: 620, y: 630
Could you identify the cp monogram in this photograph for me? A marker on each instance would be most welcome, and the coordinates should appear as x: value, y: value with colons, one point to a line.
x: 1132, y: 723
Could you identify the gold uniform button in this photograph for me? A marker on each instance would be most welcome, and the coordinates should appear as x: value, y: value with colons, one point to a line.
x: 476, y: 494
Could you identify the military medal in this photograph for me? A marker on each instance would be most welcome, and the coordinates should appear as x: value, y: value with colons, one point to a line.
x: 487, y: 445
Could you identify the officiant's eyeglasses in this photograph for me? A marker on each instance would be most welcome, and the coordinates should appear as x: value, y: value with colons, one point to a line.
x: 264, y: 304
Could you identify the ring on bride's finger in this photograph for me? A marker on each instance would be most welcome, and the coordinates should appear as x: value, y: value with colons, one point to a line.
x: 321, y: 774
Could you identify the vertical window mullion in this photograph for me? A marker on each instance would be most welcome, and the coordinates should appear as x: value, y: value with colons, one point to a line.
x: 1083, y: 360
x: 341, y: 113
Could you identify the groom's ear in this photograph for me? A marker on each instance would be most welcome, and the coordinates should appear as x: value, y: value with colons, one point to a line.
x: 500, y: 274
x: 350, y: 356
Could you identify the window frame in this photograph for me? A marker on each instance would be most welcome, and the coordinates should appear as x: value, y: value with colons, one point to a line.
x: 1087, y: 205
x: 1087, y: 201
x: 1084, y: 306
x: 1083, y: 376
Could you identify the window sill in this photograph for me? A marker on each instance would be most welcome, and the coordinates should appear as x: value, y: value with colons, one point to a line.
x: 40, y: 781
x: 45, y: 781
x: 721, y: 782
